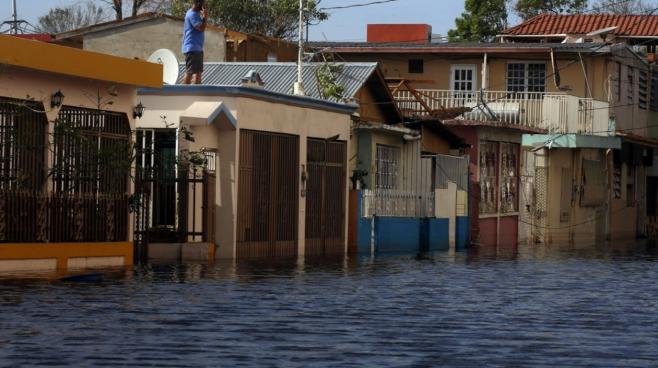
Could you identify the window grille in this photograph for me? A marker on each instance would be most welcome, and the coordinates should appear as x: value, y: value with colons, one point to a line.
x: 388, y: 167
x: 526, y: 77
x: 23, y: 130
x: 643, y: 90
x: 91, y: 151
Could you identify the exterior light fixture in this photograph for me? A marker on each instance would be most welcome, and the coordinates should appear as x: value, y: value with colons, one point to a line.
x: 56, y: 99
x: 138, y: 111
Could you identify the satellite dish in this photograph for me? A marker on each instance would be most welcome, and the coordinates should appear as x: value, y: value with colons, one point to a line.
x: 169, y: 65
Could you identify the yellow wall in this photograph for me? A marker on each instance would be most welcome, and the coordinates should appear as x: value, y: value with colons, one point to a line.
x: 63, y: 256
x: 41, y: 56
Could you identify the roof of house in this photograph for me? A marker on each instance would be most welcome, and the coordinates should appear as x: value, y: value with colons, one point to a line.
x: 630, y: 25
x: 44, y: 37
x: 100, y: 27
x: 249, y: 92
x: 150, y: 16
x: 458, y: 47
x: 280, y: 78
x: 73, y: 62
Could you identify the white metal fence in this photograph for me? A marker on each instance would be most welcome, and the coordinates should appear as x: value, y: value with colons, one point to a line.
x: 555, y: 112
x: 395, y: 203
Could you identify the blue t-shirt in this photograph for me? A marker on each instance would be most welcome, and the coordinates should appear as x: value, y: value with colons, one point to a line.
x: 193, y: 39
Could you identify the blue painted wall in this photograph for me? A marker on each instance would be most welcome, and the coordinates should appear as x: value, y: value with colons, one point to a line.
x: 462, y: 232
x: 408, y: 234
x: 436, y: 234
x: 397, y: 234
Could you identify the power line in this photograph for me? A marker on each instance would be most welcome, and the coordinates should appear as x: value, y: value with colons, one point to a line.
x: 358, y: 5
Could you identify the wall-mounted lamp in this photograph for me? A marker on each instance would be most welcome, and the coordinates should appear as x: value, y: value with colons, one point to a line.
x: 138, y: 111
x: 56, y: 99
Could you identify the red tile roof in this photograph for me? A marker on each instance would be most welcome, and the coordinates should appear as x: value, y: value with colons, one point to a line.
x: 548, y: 24
x: 43, y: 37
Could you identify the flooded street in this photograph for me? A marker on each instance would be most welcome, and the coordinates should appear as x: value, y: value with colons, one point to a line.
x: 557, y: 306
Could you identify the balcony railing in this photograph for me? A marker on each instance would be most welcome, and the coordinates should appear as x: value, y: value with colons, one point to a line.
x: 552, y: 112
x: 396, y: 203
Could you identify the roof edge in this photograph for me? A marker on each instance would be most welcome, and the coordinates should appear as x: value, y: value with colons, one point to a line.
x: 239, y: 91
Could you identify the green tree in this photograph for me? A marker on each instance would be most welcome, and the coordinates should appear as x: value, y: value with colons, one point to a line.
x: 527, y: 9
x: 73, y: 17
x: 481, y: 21
x: 274, y: 18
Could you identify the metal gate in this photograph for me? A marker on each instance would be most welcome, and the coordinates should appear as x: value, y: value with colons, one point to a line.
x: 268, y: 195
x: 325, y: 198
x: 173, y: 201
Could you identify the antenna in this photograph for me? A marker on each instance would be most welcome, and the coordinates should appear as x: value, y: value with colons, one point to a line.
x: 169, y: 64
x: 15, y: 24
x: 298, y: 86
x: 14, y: 17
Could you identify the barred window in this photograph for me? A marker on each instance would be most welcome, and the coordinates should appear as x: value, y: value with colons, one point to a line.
x: 23, y: 130
x: 91, y: 151
x: 388, y: 167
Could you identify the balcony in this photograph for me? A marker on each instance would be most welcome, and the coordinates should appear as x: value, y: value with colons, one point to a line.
x: 549, y: 112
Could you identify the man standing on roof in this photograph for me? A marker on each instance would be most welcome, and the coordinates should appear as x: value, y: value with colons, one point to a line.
x: 196, y: 20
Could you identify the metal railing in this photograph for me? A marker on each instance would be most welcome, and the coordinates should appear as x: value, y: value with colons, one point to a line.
x: 395, y: 203
x: 28, y: 217
x: 553, y: 112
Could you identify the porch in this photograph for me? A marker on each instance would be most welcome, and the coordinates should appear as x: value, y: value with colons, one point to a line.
x: 540, y: 111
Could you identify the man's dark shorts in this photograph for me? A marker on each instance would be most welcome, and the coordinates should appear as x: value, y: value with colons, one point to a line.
x: 194, y: 62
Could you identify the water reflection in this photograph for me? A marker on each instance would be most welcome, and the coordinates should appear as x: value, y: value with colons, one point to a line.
x: 558, y: 305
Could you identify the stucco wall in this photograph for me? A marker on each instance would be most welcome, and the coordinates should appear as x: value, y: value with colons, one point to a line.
x: 140, y: 40
x: 21, y: 83
x: 251, y: 114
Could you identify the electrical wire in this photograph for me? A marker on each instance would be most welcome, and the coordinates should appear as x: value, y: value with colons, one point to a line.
x: 358, y: 5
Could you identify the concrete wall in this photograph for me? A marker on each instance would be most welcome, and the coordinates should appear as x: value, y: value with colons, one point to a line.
x: 251, y: 114
x: 140, y: 40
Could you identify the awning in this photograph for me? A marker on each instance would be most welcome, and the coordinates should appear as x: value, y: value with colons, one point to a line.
x: 571, y: 141
x: 202, y: 113
x: 638, y: 139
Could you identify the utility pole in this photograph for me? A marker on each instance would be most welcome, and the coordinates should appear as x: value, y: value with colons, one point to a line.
x: 298, y: 88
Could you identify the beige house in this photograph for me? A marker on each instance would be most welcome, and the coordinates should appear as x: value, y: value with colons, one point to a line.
x: 541, y: 118
x: 66, y: 122
x: 280, y: 163
x: 139, y: 36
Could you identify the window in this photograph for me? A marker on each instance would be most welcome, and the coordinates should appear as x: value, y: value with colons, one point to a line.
x: 643, y: 90
x: 211, y: 160
x: 462, y: 79
x: 654, y: 91
x: 488, y: 177
x: 388, y: 167
x: 630, y: 83
x: 509, y: 165
x: 23, y: 132
x: 91, y: 151
x: 526, y: 77
x: 416, y: 66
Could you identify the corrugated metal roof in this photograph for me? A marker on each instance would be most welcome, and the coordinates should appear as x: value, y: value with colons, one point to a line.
x: 547, y: 24
x: 280, y: 77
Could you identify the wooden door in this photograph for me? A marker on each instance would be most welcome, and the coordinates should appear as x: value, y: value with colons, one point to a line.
x: 325, y: 198
x: 268, y: 195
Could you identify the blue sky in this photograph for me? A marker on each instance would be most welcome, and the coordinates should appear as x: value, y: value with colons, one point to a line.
x: 343, y: 25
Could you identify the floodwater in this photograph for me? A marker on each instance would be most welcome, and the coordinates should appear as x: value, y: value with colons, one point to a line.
x: 535, y: 306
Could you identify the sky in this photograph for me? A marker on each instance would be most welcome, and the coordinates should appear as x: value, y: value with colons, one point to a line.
x: 343, y: 25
